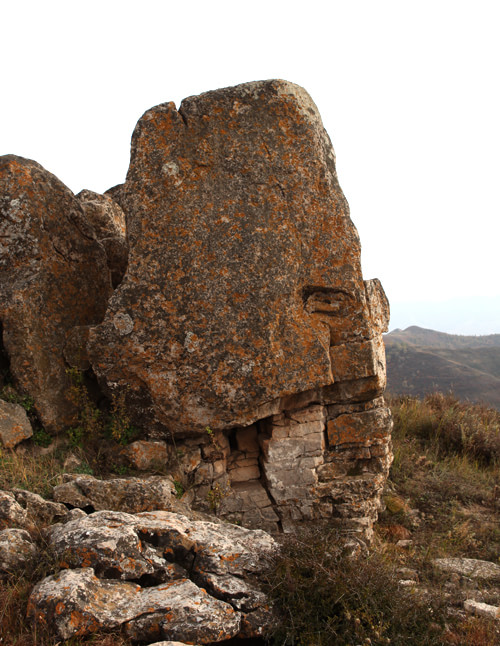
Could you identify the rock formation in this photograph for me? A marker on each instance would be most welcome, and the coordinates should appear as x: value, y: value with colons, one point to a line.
x: 53, y: 277
x: 241, y: 338
x: 155, y: 575
x: 244, y: 311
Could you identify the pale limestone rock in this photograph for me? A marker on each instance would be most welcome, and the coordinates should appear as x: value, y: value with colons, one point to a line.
x: 11, y: 512
x: 40, y: 511
x: 76, y: 602
x: 106, y: 542
x: 17, y: 551
x: 14, y: 425
x: 158, y: 551
x: 130, y: 495
x: 482, y: 609
x: 472, y: 568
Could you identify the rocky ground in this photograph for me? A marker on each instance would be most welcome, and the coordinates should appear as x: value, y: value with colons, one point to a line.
x: 123, y: 558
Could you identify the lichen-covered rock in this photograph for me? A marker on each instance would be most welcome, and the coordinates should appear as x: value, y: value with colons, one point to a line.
x: 129, y: 495
x: 53, y: 277
x: 17, y: 551
x: 144, y: 455
x: 39, y: 511
x: 106, y: 542
x: 11, y: 512
x: 77, y: 603
x: 472, y: 568
x: 182, y: 570
x: 14, y: 425
x: 244, y: 266
x: 108, y: 221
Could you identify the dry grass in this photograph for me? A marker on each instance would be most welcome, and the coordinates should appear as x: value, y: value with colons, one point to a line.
x: 442, y: 495
x: 30, y: 469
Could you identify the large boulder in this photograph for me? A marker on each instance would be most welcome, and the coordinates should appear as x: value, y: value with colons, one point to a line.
x: 244, y: 267
x: 53, y: 277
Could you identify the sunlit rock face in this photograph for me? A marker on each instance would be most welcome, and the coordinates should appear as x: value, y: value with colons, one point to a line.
x: 244, y: 264
x: 244, y: 311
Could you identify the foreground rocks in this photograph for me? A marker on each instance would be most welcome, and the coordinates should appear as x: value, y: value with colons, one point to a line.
x: 157, y: 575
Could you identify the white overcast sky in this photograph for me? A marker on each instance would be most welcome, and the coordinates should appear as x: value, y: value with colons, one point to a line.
x: 409, y: 92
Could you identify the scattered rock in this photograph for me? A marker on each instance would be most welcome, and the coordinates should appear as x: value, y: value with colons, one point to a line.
x: 76, y: 602
x: 17, y: 551
x: 53, y: 277
x: 130, y: 495
x: 482, y: 609
x: 146, y: 456
x: 39, y: 511
x: 472, y: 568
x: 14, y: 425
x: 11, y: 512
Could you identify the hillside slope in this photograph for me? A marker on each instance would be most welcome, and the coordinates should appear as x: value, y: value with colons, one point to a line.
x: 420, y: 361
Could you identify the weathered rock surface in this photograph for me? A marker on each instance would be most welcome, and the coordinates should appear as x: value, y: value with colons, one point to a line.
x: 472, y: 568
x: 22, y: 508
x: 76, y: 602
x: 244, y: 265
x: 17, y: 551
x: 243, y: 339
x: 14, y: 425
x: 130, y: 495
x: 157, y: 575
x: 11, y: 512
x: 482, y: 609
x: 108, y: 221
x: 53, y: 277
x: 39, y: 511
x: 144, y: 455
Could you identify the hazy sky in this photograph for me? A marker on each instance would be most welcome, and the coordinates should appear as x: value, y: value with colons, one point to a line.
x: 409, y: 92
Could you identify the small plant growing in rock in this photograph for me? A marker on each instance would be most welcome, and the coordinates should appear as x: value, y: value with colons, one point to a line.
x: 122, y: 430
x: 179, y: 488
x: 216, y: 494
x: 89, y: 416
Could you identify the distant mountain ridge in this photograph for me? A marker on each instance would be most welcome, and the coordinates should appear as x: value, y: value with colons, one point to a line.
x: 420, y: 361
x: 422, y: 337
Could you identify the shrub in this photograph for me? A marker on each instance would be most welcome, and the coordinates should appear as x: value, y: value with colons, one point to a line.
x: 324, y: 597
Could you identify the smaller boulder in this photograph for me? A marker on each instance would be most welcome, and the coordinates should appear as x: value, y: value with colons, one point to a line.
x: 130, y: 495
x: 145, y: 455
x: 40, y: 511
x: 471, y: 568
x: 17, y: 551
x: 108, y: 222
x: 14, y: 425
x: 11, y: 512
